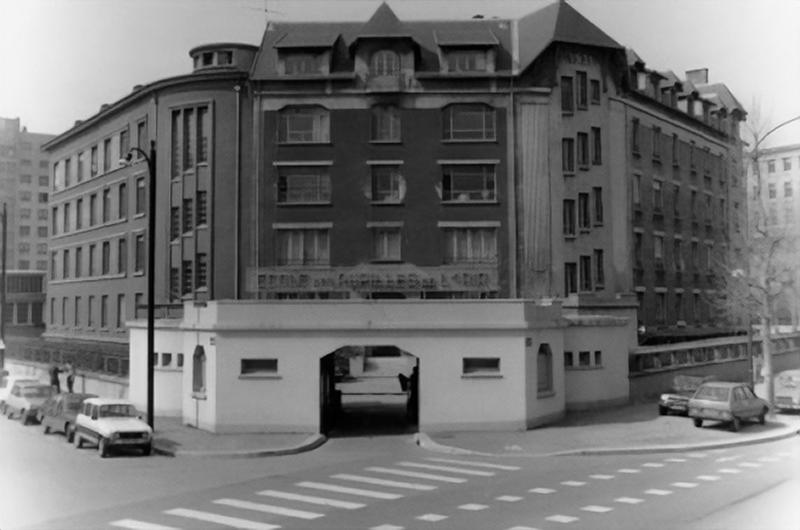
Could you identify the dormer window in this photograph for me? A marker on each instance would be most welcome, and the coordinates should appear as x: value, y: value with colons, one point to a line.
x: 224, y: 58
x: 207, y: 59
x: 641, y: 80
x: 385, y: 63
x: 301, y: 63
x: 467, y: 61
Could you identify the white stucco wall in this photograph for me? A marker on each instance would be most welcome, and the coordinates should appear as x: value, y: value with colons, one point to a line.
x: 168, y: 386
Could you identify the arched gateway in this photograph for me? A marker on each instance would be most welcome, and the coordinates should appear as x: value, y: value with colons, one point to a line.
x: 272, y: 366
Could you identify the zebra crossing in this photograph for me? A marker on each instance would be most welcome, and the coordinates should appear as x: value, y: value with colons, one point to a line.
x: 310, y: 500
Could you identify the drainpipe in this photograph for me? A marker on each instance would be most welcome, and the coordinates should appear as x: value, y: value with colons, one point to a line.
x: 237, y: 184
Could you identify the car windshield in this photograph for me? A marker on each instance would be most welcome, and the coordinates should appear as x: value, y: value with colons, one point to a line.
x: 117, y: 411
x: 713, y: 393
x: 73, y: 404
x: 36, y: 391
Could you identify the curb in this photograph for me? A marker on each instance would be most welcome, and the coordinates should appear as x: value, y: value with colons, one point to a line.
x: 425, y: 442
x: 310, y: 443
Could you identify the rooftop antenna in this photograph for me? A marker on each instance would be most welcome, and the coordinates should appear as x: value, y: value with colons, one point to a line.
x: 267, y: 12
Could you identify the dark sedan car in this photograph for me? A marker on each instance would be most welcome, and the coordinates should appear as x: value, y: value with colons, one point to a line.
x: 683, y: 388
x: 58, y: 413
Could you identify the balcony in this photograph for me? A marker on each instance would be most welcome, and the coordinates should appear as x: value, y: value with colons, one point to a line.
x: 387, y: 83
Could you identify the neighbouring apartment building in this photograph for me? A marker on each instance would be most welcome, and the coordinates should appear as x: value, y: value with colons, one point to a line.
x: 24, y: 189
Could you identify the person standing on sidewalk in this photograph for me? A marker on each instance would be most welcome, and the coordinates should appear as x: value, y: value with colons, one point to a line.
x: 70, y: 369
x: 55, y: 382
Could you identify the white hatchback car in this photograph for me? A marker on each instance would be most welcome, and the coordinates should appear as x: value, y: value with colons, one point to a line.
x: 112, y: 423
x: 6, y: 382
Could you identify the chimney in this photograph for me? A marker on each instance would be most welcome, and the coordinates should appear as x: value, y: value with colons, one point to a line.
x: 698, y: 76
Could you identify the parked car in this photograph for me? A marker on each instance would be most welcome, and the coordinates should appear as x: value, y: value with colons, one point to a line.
x: 59, y: 411
x: 25, y: 399
x: 683, y: 388
x: 727, y: 402
x: 787, y: 390
x: 6, y: 382
x: 112, y: 423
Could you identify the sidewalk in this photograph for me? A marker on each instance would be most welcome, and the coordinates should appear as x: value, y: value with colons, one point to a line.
x: 628, y: 429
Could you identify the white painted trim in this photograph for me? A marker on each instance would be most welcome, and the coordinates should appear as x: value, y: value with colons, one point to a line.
x: 303, y: 163
x: 466, y: 161
x: 289, y: 226
x: 385, y: 224
x: 469, y: 224
x: 384, y: 162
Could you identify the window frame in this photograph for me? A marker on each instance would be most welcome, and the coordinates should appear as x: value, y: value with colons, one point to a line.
x: 453, y: 131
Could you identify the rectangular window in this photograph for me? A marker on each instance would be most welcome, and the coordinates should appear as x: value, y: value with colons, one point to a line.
x: 122, y: 200
x: 204, y: 125
x: 124, y: 143
x: 166, y: 359
x: 92, y: 260
x: 303, y: 185
x: 770, y: 166
x: 83, y: 158
x: 176, y: 157
x: 387, y: 184
x: 637, y: 248
x: 138, y: 257
x: 567, y: 95
x: 594, y: 86
x: 174, y: 283
x: 466, y: 61
x: 76, y: 317
x: 202, y: 270
x: 202, y: 208
x: 569, y: 217
x: 141, y: 137
x: 187, y: 280
x: 304, y: 125
x: 597, y: 194
x: 568, y: 359
x: 78, y: 262
x: 658, y: 250
x: 657, y: 143
x: 79, y: 214
x: 570, y: 278
x: 94, y: 167
x: 692, y: 160
x: 787, y: 189
x: 599, y: 269
x: 675, y: 151
x: 106, y: 155
x: 568, y: 155
x: 386, y: 124
x: 106, y: 259
x: 582, y: 89
x: 583, y: 150
x: 658, y: 196
x: 188, y: 215
x: 470, y: 245
x: 66, y: 217
x: 597, y: 146
x: 584, y: 359
x: 106, y: 205
x: 468, y: 183
x: 140, y: 195
x: 787, y: 164
x: 104, y: 311
x: 303, y: 247
x: 635, y: 136
x: 63, y: 311
x: 65, y: 264
x: 469, y: 122
x: 584, y: 222
x: 42, y: 196
x: 259, y: 366
x: 661, y: 307
x: 89, y: 311
x: 480, y: 365
x: 298, y: 63
x: 93, y: 209
x: 174, y: 222
x: 386, y: 243
x: 67, y: 172
x: 122, y: 255
x: 586, y: 273
x: 189, y: 139
x: 679, y: 316
x: 677, y: 255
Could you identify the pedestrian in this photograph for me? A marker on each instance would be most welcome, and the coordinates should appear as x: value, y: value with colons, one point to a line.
x: 70, y: 369
x: 412, y: 406
x: 55, y: 382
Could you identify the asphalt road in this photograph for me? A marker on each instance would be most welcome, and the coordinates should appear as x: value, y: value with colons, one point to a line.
x: 387, y: 483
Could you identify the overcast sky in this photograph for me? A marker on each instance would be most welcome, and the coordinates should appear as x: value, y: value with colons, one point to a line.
x: 61, y: 59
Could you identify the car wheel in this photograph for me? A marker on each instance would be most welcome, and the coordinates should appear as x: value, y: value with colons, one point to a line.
x: 23, y: 417
x: 736, y: 424
x: 46, y: 429
x: 698, y: 422
x: 147, y: 449
x: 102, y: 447
x: 78, y: 440
x: 70, y: 432
x: 762, y: 416
x: 662, y: 411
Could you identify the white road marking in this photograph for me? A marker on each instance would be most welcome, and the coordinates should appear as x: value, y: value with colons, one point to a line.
x: 322, y: 501
x: 628, y: 470
x: 448, y: 469
x: 133, y: 524
x: 628, y: 500
x: 472, y: 507
x: 221, y: 519
x: 404, y: 473
x: 508, y: 498
x: 697, y: 455
x: 658, y: 492
x: 574, y: 483
x: 522, y: 528
x: 730, y: 471
x: 476, y: 464
x: 708, y: 478
x: 675, y: 460
x: 387, y: 527
x: 652, y: 464
x: 384, y: 482
x: 432, y: 517
x: 351, y: 491
x: 728, y: 458
x: 749, y: 464
x: 768, y: 459
x: 269, y: 508
x: 562, y: 518
x: 684, y: 484
x: 596, y: 509
x: 601, y: 477
x: 543, y: 491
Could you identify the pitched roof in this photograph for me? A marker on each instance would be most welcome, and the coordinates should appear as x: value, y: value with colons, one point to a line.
x: 383, y: 23
x: 465, y: 37
x: 723, y: 94
x: 558, y: 22
x: 301, y: 39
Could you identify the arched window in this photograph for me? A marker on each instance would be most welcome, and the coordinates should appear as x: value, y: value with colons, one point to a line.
x: 199, y: 369
x: 544, y: 368
x: 385, y: 62
x: 385, y: 124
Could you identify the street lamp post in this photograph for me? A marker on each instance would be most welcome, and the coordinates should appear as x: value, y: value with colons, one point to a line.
x: 151, y: 266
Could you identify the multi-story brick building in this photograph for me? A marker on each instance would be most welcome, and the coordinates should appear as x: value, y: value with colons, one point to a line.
x: 478, y: 158
x: 24, y: 189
